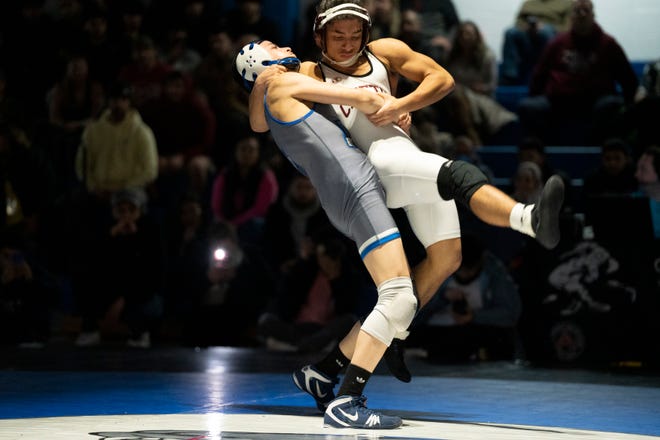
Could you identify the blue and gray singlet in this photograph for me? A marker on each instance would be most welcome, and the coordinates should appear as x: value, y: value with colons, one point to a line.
x: 346, y: 182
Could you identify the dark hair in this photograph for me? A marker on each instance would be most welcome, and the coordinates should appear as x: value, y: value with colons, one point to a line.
x: 218, y: 26
x: 93, y: 11
x: 235, y: 182
x: 120, y: 89
x: 615, y: 144
x: 144, y: 42
x: 133, y: 8
x: 532, y: 143
x: 221, y: 230
x: 475, y: 56
x: 174, y: 75
x: 324, y: 5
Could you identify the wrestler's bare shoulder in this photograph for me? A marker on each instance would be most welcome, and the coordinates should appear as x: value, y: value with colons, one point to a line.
x: 310, y: 68
x: 385, y: 46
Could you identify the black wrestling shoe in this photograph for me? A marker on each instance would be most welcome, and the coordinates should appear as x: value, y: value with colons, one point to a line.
x: 545, y: 214
x: 395, y: 360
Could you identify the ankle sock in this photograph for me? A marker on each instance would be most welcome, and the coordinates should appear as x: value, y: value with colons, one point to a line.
x: 520, y: 219
x: 333, y: 363
x: 355, y: 380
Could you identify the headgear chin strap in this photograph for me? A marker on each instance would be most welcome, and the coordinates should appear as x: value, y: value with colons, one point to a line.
x: 253, y: 59
x: 346, y: 63
x: 291, y: 63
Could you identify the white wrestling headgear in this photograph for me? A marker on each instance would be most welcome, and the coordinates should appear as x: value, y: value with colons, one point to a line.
x: 344, y: 9
x: 253, y: 59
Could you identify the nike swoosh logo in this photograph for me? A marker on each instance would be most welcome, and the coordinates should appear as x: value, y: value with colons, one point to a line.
x: 318, y: 391
x: 352, y: 418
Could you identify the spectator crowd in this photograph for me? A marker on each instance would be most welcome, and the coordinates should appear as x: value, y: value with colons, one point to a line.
x: 139, y: 206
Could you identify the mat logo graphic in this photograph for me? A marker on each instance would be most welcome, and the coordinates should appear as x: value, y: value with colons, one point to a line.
x: 156, y: 434
x: 205, y: 435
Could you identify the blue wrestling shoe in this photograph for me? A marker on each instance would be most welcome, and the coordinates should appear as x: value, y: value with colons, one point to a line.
x: 545, y: 215
x: 351, y: 412
x: 316, y: 384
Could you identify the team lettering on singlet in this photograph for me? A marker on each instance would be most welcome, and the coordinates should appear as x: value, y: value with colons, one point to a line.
x: 346, y: 109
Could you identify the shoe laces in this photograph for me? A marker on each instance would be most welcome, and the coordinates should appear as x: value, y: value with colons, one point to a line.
x: 360, y: 401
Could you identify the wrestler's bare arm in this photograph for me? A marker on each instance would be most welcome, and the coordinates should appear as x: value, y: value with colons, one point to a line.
x: 256, y: 101
x: 284, y: 87
x: 434, y: 81
x: 312, y: 70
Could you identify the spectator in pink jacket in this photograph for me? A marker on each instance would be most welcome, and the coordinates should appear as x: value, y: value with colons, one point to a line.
x: 244, y: 190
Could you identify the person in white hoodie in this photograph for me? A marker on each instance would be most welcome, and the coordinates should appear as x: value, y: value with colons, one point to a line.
x: 118, y: 150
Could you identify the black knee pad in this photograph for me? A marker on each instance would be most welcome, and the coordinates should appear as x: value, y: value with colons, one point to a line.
x: 459, y: 180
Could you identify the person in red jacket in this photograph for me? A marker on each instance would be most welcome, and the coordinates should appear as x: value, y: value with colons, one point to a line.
x: 576, y: 82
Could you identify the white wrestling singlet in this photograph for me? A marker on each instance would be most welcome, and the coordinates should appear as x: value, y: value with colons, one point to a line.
x: 408, y: 174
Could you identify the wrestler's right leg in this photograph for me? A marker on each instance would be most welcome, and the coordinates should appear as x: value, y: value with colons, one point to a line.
x: 442, y: 259
x: 411, y: 177
x: 437, y: 227
x: 540, y: 220
x: 408, y: 174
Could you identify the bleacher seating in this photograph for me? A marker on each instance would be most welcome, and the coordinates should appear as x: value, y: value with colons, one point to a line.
x: 576, y: 161
x: 510, y: 96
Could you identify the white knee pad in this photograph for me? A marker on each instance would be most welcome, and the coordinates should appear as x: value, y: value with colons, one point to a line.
x: 408, y: 174
x: 394, y: 311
